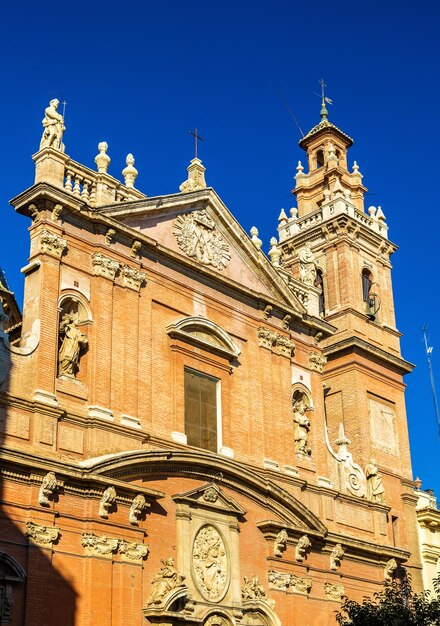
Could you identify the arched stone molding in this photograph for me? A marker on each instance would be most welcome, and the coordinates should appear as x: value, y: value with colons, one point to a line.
x: 218, y: 617
x: 205, y: 334
x: 254, y: 608
x: 204, y: 466
x: 75, y: 299
x: 301, y: 388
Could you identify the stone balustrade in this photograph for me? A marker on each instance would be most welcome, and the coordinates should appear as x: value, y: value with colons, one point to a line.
x: 93, y: 188
x: 330, y: 209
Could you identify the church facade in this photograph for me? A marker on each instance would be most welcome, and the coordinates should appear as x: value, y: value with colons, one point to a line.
x: 194, y: 432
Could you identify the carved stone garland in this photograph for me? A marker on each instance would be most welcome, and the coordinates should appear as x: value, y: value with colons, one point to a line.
x: 210, y: 563
x: 197, y: 235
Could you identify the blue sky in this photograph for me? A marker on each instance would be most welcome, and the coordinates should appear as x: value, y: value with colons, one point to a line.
x: 139, y: 75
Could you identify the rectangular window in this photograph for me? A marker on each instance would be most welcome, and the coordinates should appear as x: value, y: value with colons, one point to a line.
x: 201, y: 410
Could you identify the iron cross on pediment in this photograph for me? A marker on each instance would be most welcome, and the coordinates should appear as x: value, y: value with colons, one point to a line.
x: 197, y: 138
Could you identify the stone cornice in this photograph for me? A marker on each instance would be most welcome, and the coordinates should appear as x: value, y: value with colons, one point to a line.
x: 355, y: 344
x: 204, y: 465
x: 429, y: 518
x: 23, y: 467
x: 287, y: 303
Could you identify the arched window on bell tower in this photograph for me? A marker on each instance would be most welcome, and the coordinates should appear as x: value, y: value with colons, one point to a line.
x: 319, y: 158
x: 367, y: 281
x: 371, y: 300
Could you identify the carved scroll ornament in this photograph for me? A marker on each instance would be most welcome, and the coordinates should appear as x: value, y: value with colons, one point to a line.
x: 42, y: 535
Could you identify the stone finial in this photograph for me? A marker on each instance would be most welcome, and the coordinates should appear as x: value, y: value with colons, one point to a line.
x: 274, y: 252
x: 282, y: 218
x: 107, y: 501
x: 372, y: 212
x: 47, y: 489
x: 355, y: 167
x: 254, y: 238
x: 129, y: 173
x: 299, y: 170
x: 196, y: 177
x: 380, y: 214
x: 294, y: 213
x: 102, y: 159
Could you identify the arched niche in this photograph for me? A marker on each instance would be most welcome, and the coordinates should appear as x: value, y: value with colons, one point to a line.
x: 301, y: 409
x: 11, y: 574
x: 74, y: 317
x: 205, y: 334
x: 73, y: 303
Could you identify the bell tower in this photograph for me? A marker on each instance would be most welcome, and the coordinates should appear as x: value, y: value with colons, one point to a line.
x: 331, y: 241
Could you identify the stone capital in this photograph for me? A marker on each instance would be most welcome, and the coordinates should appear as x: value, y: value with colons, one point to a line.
x: 104, y: 266
x: 53, y: 244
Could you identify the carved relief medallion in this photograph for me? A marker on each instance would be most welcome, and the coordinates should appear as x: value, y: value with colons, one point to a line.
x: 210, y: 563
x: 199, y: 238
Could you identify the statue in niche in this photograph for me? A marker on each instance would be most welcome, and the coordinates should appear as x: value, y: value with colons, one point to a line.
x: 54, y: 128
x: 307, y: 272
x: 375, y: 488
x: 73, y: 341
x: 301, y: 424
x: 167, y: 579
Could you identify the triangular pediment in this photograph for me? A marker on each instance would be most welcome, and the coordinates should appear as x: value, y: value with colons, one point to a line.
x: 198, y: 228
x: 210, y: 496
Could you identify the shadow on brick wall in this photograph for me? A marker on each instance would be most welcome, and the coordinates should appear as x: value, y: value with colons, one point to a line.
x: 32, y: 590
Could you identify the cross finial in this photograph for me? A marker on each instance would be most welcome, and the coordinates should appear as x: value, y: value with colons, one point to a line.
x: 197, y: 138
x: 324, y: 100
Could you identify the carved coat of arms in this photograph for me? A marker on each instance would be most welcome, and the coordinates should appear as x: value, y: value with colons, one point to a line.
x: 199, y: 238
x: 210, y: 563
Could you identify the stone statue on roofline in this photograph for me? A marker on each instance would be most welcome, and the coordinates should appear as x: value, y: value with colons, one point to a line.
x: 53, y: 125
